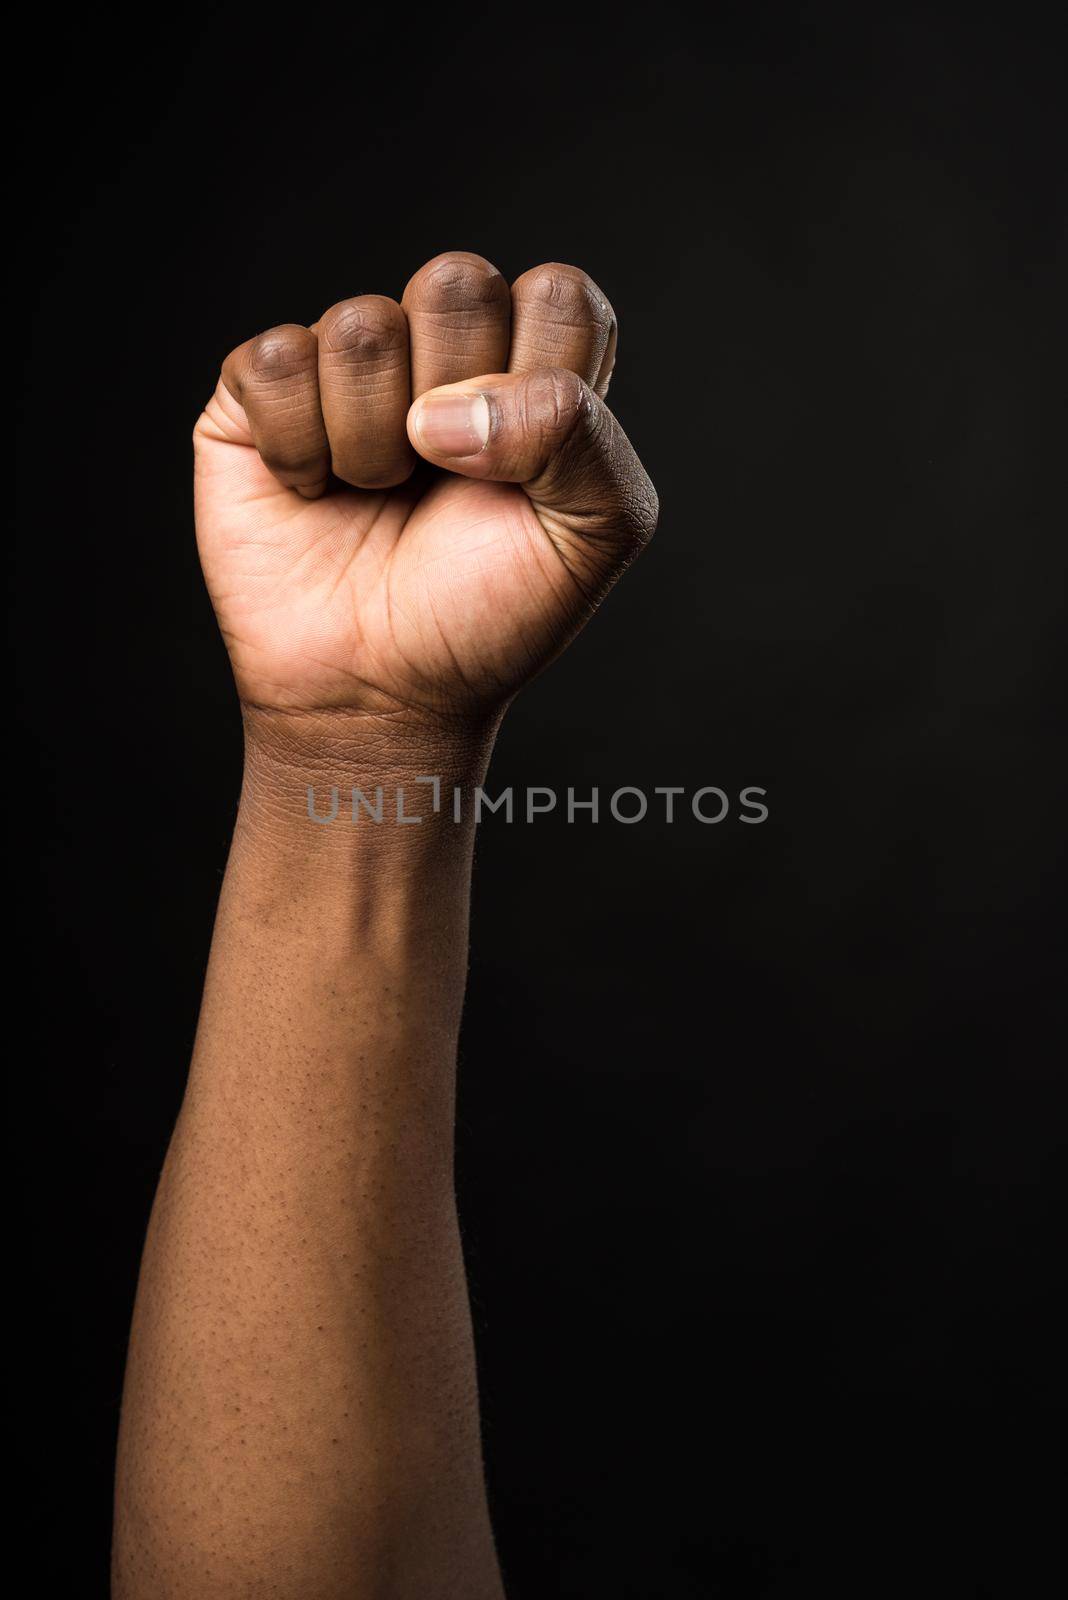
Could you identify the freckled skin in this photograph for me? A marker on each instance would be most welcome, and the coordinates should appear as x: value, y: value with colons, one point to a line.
x: 300, y: 1416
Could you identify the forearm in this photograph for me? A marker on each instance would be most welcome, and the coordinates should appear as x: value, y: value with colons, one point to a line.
x: 300, y: 1415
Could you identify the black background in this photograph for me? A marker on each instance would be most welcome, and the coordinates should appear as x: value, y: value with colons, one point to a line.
x: 757, y: 1123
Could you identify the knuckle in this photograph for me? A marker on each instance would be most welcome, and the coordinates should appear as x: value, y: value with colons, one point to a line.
x: 457, y: 281
x: 281, y: 353
x: 636, y: 508
x: 555, y: 399
x: 643, y: 511
x: 628, y: 509
x: 365, y: 328
x: 566, y: 294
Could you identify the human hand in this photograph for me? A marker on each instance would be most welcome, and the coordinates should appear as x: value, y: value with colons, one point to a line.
x: 369, y: 555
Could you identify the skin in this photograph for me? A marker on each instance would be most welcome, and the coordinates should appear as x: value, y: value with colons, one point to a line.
x: 300, y: 1416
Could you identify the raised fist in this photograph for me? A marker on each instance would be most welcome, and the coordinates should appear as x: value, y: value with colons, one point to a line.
x: 367, y: 553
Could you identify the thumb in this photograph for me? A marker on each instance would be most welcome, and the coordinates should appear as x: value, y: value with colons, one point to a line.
x: 549, y: 432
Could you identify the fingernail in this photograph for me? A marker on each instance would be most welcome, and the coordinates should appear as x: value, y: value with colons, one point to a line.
x: 453, y: 424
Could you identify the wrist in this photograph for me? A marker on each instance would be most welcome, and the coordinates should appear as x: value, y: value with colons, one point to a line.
x: 310, y: 871
x: 380, y: 785
x: 385, y: 741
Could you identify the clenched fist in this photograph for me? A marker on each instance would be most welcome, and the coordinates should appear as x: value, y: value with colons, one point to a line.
x: 412, y: 507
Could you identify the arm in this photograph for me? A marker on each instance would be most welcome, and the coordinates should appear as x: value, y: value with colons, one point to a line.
x: 300, y: 1416
x: 300, y: 1402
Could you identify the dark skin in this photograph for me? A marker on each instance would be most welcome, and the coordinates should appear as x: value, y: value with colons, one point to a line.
x: 300, y: 1416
